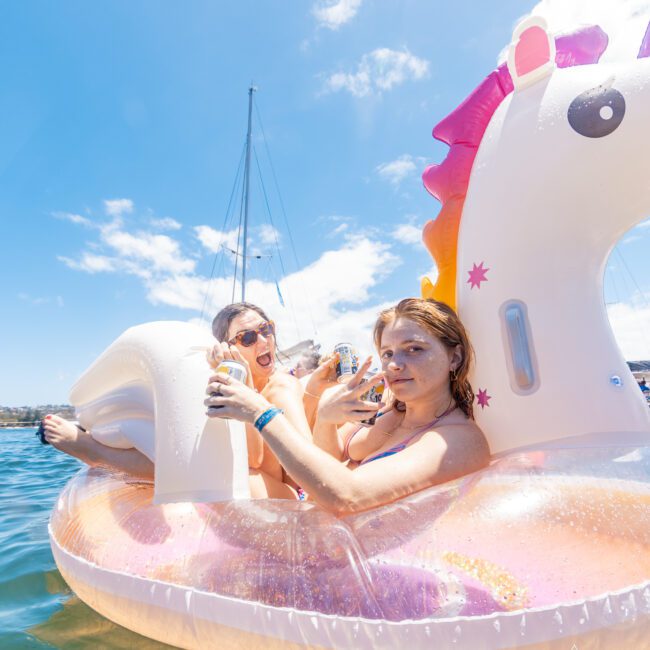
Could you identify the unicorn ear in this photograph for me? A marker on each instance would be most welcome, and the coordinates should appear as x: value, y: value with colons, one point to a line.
x: 532, y: 52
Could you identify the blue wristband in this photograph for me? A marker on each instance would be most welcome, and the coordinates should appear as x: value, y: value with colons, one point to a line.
x: 266, y: 417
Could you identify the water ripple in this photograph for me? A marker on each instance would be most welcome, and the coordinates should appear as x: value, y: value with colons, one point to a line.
x: 37, y: 608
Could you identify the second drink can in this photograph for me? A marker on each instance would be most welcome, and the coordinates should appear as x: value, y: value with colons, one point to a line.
x: 348, y: 362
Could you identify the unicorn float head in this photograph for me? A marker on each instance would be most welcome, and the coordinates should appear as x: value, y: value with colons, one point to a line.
x: 547, y: 168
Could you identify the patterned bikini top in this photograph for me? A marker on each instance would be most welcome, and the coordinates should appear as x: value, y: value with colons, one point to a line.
x: 400, y: 446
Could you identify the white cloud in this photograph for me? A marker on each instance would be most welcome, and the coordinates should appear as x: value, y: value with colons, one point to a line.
x: 643, y: 224
x: 90, y: 263
x: 189, y: 292
x: 39, y: 300
x: 213, y: 240
x: 379, y: 70
x: 73, y: 218
x: 268, y: 235
x: 336, y: 224
x: 397, y: 170
x: 159, y: 252
x: 631, y: 325
x: 118, y: 207
x: 624, y: 21
x: 165, y: 223
x: 333, y: 14
x: 407, y: 233
x: 330, y: 295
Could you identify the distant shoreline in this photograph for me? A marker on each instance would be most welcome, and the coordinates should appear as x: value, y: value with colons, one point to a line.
x: 18, y: 426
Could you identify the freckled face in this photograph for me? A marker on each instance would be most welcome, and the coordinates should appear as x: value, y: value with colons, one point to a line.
x: 416, y: 362
x: 261, y: 355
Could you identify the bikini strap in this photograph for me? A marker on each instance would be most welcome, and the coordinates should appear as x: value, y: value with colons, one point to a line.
x: 346, y: 448
x: 402, y: 445
x: 426, y: 427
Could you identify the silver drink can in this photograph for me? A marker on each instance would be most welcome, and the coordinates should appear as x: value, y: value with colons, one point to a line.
x: 373, y: 394
x: 348, y: 362
x: 236, y: 370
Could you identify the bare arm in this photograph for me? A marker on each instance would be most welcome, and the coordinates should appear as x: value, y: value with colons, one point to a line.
x: 323, y: 377
x: 255, y: 446
x: 331, y: 438
x: 438, y: 456
x: 286, y: 393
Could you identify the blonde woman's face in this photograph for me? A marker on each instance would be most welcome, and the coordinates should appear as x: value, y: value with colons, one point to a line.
x: 261, y: 355
x: 415, y: 362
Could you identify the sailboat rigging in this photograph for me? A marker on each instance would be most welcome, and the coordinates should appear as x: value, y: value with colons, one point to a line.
x: 242, y: 251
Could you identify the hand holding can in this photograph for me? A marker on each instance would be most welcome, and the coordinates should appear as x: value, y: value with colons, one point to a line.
x: 234, y: 369
x: 374, y: 394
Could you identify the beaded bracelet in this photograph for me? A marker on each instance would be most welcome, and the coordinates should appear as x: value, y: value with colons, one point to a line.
x: 266, y: 417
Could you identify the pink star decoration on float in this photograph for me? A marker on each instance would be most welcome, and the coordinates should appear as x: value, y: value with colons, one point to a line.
x: 477, y: 275
x: 483, y: 398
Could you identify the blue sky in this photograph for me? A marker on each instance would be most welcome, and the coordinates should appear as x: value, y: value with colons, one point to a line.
x: 122, y: 125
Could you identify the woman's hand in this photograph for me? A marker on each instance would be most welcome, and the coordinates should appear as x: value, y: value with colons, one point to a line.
x: 343, y: 402
x: 323, y: 377
x: 230, y: 398
x: 223, y: 350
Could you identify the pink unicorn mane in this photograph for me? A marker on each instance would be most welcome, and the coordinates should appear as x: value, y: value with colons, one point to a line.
x: 463, y: 131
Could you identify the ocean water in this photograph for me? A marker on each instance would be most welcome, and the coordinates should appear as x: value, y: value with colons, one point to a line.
x: 37, y: 608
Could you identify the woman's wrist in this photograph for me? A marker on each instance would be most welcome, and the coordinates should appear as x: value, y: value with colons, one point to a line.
x: 266, y: 416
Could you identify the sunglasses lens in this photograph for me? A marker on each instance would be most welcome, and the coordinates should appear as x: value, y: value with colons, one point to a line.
x: 248, y: 338
x: 267, y: 330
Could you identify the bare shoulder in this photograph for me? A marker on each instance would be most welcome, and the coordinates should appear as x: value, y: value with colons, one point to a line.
x: 465, y: 443
x: 282, y: 382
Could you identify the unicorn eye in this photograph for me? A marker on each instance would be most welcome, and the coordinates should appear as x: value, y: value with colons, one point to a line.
x: 597, y: 112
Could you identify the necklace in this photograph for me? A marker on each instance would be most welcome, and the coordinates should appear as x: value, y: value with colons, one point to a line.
x: 451, y: 407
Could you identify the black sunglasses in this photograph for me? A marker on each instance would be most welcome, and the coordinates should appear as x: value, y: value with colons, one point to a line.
x: 249, y: 337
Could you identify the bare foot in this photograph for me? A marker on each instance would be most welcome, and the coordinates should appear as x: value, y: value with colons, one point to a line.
x: 65, y: 435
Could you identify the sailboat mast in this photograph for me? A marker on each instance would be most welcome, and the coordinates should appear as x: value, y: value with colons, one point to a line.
x: 247, y: 169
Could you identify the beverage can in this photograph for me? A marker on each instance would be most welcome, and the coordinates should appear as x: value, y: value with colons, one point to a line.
x: 348, y: 362
x: 236, y: 370
x: 373, y: 394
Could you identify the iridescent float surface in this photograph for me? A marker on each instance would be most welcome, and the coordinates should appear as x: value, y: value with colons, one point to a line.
x: 534, y: 530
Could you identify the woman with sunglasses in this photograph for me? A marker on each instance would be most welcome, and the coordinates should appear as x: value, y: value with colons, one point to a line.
x: 244, y: 333
x: 426, y: 435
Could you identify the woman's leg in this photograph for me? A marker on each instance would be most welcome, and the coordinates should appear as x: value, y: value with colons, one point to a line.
x: 265, y: 486
x: 69, y: 438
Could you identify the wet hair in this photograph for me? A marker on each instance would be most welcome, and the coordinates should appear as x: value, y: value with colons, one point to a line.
x: 442, y: 321
x: 222, y: 320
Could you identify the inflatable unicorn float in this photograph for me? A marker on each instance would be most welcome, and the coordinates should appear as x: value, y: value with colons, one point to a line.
x: 549, y: 547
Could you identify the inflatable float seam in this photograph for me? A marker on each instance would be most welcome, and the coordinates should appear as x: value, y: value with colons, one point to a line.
x: 500, y: 626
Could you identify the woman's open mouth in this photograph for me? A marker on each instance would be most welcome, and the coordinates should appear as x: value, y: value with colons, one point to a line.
x: 265, y: 360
